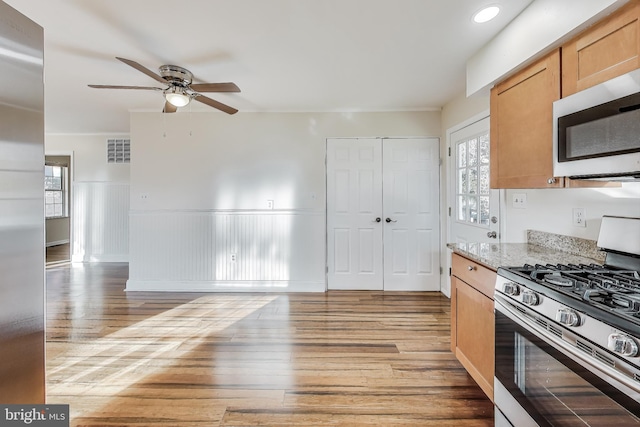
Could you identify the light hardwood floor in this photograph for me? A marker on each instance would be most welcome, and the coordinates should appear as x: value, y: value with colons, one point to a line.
x: 59, y: 254
x: 251, y: 359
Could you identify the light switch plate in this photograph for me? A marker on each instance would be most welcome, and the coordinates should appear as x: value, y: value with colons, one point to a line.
x: 519, y: 200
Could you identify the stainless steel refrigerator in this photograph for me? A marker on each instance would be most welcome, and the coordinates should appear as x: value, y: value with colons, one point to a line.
x: 22, y: 378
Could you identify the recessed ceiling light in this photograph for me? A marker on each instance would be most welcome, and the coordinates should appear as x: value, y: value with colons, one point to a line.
x: 486, y: 14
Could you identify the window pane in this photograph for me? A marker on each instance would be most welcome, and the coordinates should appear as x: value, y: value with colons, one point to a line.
x: 54, y: 196
x: 484, y: 180
x: 462, y: 155
x: 473, y: 152
x: 462, y: 181
x: 472, y: 202
x: 462, y: 208
x: 484, y: 149
x: 473, y: 181
x: 484, y: 210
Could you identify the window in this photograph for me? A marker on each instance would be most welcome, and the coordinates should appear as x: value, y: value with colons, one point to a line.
x: 472, y: 180
x: 55, y: 190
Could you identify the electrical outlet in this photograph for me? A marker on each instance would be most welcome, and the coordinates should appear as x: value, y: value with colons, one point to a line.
x: 144, y: 197
x: 232, y: 257
x: 579, y: 217
x: 269, y: 204
x: 519, y: 200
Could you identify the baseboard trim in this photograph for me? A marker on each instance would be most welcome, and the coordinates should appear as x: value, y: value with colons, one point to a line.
x: 225, y: 286
x: 57, y: 243
x: 100, y: 258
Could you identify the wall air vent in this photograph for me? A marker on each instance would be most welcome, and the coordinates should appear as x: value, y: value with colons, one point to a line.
x: 118, y: 150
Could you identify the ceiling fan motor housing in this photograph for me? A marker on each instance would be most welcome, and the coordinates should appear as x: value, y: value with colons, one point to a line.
x: 175, y: 74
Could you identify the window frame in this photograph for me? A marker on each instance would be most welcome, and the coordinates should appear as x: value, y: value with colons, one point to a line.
x: 461, y: 198
x: 63, y: 191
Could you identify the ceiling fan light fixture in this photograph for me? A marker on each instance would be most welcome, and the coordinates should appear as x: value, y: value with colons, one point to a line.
x: 177, y: 97
x: 486, y: 14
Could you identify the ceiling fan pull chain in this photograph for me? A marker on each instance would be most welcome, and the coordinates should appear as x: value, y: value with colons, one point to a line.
x: 164, y: 125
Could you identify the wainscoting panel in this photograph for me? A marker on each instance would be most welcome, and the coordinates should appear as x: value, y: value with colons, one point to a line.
x: 100, y: 221
x: 280, y: 251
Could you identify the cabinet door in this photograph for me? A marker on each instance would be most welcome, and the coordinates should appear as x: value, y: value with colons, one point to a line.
x: 522, y: 127
x: 609, y: 49
x: 474, y: 333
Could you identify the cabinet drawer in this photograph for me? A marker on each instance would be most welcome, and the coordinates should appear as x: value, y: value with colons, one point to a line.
x: 476, y: 275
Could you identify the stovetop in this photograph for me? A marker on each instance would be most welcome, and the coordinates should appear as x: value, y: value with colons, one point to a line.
x: 600, y: 288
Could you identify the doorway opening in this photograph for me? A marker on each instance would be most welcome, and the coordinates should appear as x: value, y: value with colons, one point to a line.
x: 57, y: 187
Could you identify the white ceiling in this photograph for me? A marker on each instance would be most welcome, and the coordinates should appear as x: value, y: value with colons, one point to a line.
x: 285, y: 55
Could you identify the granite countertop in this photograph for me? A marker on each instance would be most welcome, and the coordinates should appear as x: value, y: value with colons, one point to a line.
x: 494, y: 255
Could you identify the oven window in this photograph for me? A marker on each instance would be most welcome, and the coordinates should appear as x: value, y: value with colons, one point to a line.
x: 553, y: 389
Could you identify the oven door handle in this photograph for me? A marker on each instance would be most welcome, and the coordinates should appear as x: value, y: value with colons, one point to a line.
x: 602, y: 370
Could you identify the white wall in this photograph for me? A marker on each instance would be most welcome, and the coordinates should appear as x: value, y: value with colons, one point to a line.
x: 200, y: 183
x: 100, y: 198
x: 551, y: 210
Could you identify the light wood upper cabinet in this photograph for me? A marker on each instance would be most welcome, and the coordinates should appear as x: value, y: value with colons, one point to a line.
x: 607, y: 50
x: 522, y: 126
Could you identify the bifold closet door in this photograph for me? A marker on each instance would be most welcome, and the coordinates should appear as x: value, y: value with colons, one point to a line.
x: 411, y: 205
x: 354, y: 204
x: 382, y: 214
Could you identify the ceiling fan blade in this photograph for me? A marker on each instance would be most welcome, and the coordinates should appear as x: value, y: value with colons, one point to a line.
x: 124, y: 87
x: 143, y: 69
x: 215, y: 87
x: 215, y: 104
x: 169, y: 108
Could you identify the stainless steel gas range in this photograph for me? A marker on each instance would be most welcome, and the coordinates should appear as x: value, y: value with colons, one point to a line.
x: 568, y: 338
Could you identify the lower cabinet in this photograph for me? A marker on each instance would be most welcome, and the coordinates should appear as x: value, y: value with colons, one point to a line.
x: 472, y: 320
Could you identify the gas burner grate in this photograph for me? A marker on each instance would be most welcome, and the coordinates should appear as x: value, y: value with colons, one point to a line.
x: 611, y: 289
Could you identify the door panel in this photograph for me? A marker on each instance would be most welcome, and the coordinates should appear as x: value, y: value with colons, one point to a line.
x: 383, y: 178
x: 411, y: 200
x: 354, y: 201
x: 470, y: 222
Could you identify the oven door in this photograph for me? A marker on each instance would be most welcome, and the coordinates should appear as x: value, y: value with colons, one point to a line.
x: 539, y: 382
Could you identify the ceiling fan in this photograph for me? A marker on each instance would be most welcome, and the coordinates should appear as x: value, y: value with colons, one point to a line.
x: 179, y: 90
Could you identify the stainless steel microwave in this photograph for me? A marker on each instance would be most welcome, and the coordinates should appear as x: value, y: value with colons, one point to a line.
x: 596, y: 132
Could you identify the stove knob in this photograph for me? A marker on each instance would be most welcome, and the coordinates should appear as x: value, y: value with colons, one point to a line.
x: 568, y: 317
x: 511, y: 289
x: 623, y: 344
x: 530, y: 298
